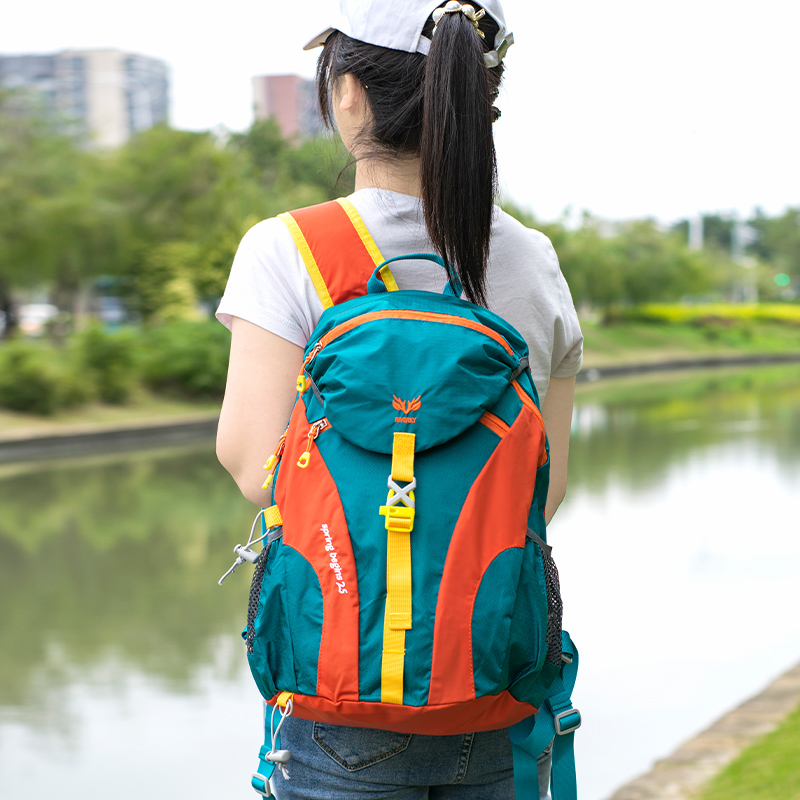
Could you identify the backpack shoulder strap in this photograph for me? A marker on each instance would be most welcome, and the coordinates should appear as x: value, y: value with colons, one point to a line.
x: 336, y: 247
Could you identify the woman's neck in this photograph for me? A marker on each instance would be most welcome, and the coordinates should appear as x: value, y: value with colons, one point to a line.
x: 399, y: 175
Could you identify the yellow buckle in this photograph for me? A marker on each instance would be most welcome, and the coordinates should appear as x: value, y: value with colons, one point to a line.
x: 398, y: 518
x: 302, y: 383
x: 271, y: 462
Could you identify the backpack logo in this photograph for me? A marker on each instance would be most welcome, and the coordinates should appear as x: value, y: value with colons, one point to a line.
x: 406, y: 407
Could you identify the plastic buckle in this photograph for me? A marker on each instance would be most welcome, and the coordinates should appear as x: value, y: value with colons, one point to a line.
x: 398, y: 518
x: 302, y: 384
x: 570, y: 728
x: 265, y: 781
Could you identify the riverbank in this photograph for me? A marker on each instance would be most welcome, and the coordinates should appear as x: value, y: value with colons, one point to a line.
x: 150, y: 422
x: 620, y: 351
x: 683, y: 774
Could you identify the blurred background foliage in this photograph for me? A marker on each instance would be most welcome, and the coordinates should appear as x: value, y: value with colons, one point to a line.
x: 163, y: 214
x: 151, y: 228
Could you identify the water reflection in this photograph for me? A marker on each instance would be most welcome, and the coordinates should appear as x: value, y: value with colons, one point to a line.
x: 635, y: 431
x: 112, y: 621
x: 112, y: 557
x: 679, y: 558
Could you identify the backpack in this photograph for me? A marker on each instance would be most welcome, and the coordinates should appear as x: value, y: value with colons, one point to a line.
x: 404, y: 581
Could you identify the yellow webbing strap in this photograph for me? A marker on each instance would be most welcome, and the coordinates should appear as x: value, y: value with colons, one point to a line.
x: 397, y: 618
x: 403, y: 457
x: 361, y: 229
x: 308, y: 259
x: 369, y: 243
x: 272, y: 517
x: 388, y: 279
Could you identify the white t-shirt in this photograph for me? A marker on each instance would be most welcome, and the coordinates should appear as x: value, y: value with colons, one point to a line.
x: 270, y: 286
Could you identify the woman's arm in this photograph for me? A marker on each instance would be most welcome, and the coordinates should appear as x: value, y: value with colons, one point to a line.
x: 557, y: 415
x: 259, y: 395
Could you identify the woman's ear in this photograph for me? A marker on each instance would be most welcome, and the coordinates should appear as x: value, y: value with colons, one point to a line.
x: 350, y: 109
x: 350, y: 94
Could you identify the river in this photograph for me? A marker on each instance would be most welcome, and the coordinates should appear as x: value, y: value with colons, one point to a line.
x: 122, y: 671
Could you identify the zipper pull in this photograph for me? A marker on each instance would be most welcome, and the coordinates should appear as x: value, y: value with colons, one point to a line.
x: 312, y: 354
x: 274, y: 459
x: 313, y: 432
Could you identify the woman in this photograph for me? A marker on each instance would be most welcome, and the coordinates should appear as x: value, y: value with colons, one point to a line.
x: 411, y: 89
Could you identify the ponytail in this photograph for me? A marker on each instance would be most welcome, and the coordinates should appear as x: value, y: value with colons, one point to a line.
x: 459, y: 166
x: 438, y: 108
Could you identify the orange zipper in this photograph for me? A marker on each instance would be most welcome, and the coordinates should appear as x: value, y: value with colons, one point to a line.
x: 314, y: 431
x: 495, y: 424
x: 430, y: 316
x: 274, y: 460
x: 527, y: 400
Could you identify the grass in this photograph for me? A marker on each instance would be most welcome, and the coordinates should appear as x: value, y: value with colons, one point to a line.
x: 640, y: 342
x: 659, y: 387
x: 145, y: 409
x: 767, y: 770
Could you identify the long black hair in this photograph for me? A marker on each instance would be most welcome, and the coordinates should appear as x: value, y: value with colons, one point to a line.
x: 439, y: 108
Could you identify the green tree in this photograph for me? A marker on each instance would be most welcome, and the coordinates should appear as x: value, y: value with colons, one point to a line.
x: 633, y: 262
x: 717, y: 231
x: 657, y: 265
x: 779, y: 242
x: 186, y: 199
x: 55, y: 226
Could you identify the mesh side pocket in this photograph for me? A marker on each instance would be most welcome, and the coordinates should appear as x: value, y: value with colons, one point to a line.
x: 555, y: 608
x: 255, y: 594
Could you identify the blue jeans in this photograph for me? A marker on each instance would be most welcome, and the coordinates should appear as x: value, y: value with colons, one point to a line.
x: 331, y: 762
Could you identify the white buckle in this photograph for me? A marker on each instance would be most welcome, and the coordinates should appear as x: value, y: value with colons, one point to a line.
x: 268, y: 793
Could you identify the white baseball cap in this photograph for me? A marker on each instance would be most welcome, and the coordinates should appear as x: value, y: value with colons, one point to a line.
x: 399, y: 27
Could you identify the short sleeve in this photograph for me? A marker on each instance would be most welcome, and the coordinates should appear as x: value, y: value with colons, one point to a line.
x: 567, y: 337
x: 269, y: 285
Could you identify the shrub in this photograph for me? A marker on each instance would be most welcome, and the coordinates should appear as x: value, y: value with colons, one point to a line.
x: 187, y: 358
x: 722, y: 313
x: 37, y: 381
x: 109, y: 362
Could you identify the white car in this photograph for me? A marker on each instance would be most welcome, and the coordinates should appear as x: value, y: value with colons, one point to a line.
x: 34, y: 316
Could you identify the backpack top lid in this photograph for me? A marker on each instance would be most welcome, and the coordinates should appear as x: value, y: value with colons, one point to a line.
x: 410, y: 361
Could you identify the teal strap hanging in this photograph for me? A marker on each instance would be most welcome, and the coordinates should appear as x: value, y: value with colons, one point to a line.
x: 556, y: 722
x: 260, y: 779
x: 271, y: 755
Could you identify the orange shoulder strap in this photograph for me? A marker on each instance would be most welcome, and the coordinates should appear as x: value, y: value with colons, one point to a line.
x: 336, y: 247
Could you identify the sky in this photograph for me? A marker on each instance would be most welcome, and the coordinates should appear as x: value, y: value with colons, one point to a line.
x: 624, y: 109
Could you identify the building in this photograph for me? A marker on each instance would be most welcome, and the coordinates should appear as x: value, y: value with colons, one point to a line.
x: 291, y: 101
x: 103, y: 96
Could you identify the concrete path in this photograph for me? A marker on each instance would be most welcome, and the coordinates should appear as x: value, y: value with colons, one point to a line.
x: 594, y: 373
x: 683, y: 774
x: 71, y: 440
